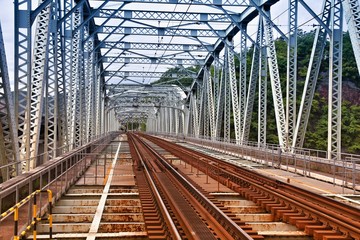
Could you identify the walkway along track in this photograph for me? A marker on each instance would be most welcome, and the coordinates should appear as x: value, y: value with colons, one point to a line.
x: 320, y: 217
x: 196, y: 217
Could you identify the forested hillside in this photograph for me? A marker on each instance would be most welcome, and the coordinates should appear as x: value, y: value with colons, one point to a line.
x: 316, y: 136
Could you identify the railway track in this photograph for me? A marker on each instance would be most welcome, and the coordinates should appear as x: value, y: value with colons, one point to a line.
x: 319, y: 217
x: 195, y: 215
x: 144, y: 187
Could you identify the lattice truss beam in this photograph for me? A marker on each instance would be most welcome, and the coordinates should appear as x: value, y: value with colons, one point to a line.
x: 235, y: 94
x: 74, y: 82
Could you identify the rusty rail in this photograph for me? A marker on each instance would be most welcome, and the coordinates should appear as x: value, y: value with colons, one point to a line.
x: 306, y: 210
x: 221, y: 219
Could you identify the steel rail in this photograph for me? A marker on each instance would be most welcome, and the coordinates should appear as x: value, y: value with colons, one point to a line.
x: 340, y: 216
x: 171, y: 225
x: 226, y: 222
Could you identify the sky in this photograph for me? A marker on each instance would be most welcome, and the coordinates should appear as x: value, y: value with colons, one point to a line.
x: 7, y: 23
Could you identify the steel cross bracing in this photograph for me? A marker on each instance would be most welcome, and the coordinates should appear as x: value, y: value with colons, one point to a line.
x: 254, y: 77
x: 78, y: 77
x: 150, y: 60
x: 52, y: 90
x: 291, y: 73
x: 335, y: 81
x: 275, y: 81
x: 157, y: 15
x: 262, y: 111
x: 242, y: 78
x: 151, y: 46
x: 9, y: 151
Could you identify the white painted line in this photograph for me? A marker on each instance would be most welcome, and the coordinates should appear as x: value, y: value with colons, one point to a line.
x: 100, y: 208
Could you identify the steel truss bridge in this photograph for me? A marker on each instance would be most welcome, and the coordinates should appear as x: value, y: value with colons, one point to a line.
x: 87, y: 67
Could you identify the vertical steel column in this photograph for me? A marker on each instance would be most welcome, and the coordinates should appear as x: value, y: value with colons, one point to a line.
x: 227, y: 104
x: 98, y: 98
x: 90, y: 82
x: 242, y: 79
x: 60, y: 105
x: 52, y: 88
x: 37, y: 87
x: 22, y: 73
x: 196, y: 113
x: 198, y: 104
x: 191, y: 121
x: 216, y: 81
x: 201, y: 105
x: 81, y: 113
x: 68, y: 71
x: 335, y: 81
x: 171, y: 119
x: 210, y: 102
x: 176, y: 113
x: 262, y: 113
x: 102, y: 115
x: 220, y: 104
x: 254, y: 76
x: 291, y: 73
x: 165, y: 120
x: 186, y: 119
x: 230, y: 73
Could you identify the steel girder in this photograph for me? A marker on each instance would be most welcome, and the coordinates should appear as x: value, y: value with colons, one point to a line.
x: 160, y: 31
x: 210, y: 103
x: 52, y: 93
x: 68, y: 67
x: 124, y: 74
x: 152, y: 60
x: 161, y: 15
x: 9, y: 151
x: 220, y: 101
x: 275, y: 82
x: 150, y: 46
x: 203, y: 2
x: 227, y: 103
x: 263, y: 75
x: 254, y: 76
x: 22, y: 74
x: 231, y: 78
x: 35, y: 102
x: 291, y: 78
x: 335, y: 81
x: 242, y: 78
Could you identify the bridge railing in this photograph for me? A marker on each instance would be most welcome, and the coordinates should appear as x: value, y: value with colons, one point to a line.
x: 307, y: 162
x: 25, y: 165
x: 56, y: 175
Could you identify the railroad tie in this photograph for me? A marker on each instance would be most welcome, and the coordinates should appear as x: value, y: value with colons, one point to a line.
x: 319, y: 234
x: 293, y: 220
x: 301, y: 224
x: 310, y: 229
x: 339, y: 237
x: 286, y: 216
x: 281, y: 212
